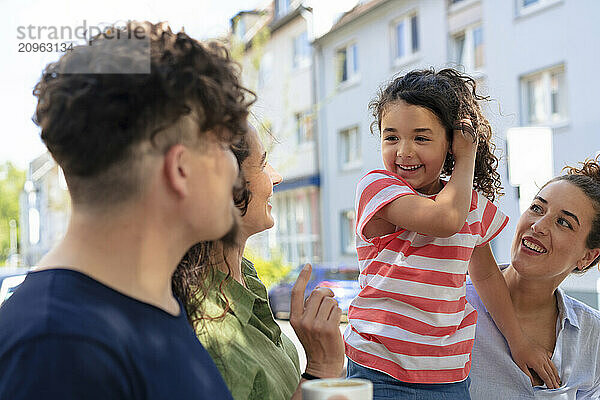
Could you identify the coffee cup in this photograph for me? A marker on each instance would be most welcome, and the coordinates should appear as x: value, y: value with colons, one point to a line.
x: 337, y: 389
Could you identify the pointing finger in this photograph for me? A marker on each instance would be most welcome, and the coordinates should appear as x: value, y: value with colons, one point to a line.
x: 297, y: 300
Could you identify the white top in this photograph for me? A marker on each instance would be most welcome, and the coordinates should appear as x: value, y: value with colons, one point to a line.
x: 494, y: 375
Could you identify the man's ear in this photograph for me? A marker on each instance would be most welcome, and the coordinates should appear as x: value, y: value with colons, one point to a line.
x: 588, y: 258
x: 177, y: 168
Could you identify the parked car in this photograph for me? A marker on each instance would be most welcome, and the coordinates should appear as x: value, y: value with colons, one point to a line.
x: 342, y: 280
x: 10, y: 279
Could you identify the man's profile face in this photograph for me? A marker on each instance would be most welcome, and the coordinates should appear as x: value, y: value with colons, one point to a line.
x: 214, y: 177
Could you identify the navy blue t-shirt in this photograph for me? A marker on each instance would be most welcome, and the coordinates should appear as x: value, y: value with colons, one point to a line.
x: 64, y: 335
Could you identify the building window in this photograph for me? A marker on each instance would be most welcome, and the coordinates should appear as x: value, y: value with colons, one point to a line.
x: 348, y: 236
x: 350, y: 148
x: 468, y: 48
x: 34, y: 226
x: 405, y: 37
x: 544, y: 97
x: 297, y: 218
x: 304, y: 125
x: 265, y: 69
x: 282, y: 7
x: 301, y: 56
x: 347, y: 63
x: 478, y: 47
x: 527, y: 6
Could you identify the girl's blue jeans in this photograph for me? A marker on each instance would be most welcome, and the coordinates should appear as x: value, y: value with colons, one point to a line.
x: 385, y: 387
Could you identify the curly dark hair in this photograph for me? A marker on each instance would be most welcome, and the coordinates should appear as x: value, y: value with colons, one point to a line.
x: 586, y: 178
x: 95, y: 122
x: 192, y: 280
x: 451, y: 96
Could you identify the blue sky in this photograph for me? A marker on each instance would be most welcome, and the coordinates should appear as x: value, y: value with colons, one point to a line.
x: 19, y: 137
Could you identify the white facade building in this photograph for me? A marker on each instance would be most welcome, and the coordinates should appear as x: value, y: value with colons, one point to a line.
x: 277, y: 65
x: 44, y: 209
x: 367, y: 46
x: 542, y: 58
x: 536, y: 59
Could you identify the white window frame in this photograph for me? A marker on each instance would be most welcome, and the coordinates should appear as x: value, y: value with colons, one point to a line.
x: 304, y: 128
x: 265, y: 69
x: 548, y: 118
x: 299, y: 59
x: 410, y: 53
x: 346, y: 165
x: 289, y: 206
x: 352, y: 64
x: 348, y: 243
x: 522, y: 10
x: 469, y: 50
x: 283, y: 11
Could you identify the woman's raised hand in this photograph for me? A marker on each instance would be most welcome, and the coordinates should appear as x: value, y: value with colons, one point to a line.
x: 316, y: 322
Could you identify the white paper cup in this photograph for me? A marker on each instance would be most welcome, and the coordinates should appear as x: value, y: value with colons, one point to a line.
x: 337, y: 389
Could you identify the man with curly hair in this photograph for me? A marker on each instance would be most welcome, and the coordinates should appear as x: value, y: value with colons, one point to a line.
x: 147, y: 160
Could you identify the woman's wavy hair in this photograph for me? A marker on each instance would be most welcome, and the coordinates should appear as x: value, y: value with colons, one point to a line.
x: 586, y: 178
x: 94, y: 121
x: 451, y: 96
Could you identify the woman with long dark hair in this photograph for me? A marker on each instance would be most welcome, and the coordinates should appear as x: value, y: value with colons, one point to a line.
x: 228, y: 304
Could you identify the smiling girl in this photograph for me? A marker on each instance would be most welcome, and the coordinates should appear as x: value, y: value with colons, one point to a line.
x: 410, y: 329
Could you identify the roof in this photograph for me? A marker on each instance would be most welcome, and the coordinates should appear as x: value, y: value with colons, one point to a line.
x: 244, y: 12
x: 359, y: 10
x: 278, y: 23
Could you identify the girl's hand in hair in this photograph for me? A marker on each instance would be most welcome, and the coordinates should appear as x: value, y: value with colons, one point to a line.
x: 464, y: 140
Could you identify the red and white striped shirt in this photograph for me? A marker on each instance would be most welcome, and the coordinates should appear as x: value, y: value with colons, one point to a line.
x: 411, y: 319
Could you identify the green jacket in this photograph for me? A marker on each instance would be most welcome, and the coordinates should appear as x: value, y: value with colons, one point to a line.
x: 256, y: 359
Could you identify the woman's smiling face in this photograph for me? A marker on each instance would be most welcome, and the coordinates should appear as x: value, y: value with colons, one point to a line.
x: 550, y: 240
x: 260, y: 178
x: 414, y: 145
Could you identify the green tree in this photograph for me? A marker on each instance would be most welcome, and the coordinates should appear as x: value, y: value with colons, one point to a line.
x: 269, y: 271
x: 11, y: 184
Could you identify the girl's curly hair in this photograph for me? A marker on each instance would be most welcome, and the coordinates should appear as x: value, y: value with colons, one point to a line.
x: 451, y: 96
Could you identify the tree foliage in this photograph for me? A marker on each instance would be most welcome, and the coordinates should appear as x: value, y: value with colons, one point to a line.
x: 11, y: 184
x: 269, y: 271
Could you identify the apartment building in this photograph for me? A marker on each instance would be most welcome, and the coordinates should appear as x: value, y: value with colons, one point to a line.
x: 363, y: 50
x: 278, y: 66
x: 44, y: 209
x: 541, y: 64
x: 529, y: 56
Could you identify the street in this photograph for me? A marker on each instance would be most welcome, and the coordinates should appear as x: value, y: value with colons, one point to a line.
x: 289, y: 331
